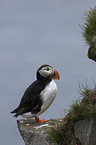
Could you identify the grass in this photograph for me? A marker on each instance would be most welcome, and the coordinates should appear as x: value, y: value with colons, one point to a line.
x: 89, y: 32
x: 89, y: 27
x: 63, y: 134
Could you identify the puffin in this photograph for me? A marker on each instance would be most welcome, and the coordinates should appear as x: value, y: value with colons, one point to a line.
x: 39, y: 95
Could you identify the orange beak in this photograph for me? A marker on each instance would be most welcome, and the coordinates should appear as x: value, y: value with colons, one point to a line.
x: 55, y: 75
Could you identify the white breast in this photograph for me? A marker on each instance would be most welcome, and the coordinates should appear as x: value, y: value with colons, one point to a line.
x: 48, y: 95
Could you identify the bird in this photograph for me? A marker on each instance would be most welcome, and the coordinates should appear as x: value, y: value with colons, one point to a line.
x: 39, y: 95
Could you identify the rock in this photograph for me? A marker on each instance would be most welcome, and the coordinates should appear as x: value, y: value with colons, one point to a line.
x: 34, y: 133
x: 85, y: 131
x: 92, y: 52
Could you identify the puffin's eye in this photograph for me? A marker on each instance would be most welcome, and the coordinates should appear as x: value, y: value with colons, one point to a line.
x: 47, y: 68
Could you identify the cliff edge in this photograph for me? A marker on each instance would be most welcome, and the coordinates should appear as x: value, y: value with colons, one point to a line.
x: 78, y: 127
x: 34, y: 133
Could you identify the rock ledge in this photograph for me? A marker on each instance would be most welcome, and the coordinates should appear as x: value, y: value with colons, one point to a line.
x: 34, y: 133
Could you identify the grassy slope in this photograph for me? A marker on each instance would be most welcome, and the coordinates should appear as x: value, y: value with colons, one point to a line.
x: 63, y: 134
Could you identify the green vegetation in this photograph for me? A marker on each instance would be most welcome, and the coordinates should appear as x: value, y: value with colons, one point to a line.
x: 89, y: 32
x: 63, y: 133
x: 90, y: 25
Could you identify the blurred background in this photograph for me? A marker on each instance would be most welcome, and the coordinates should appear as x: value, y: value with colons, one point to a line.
x: 36, y: 32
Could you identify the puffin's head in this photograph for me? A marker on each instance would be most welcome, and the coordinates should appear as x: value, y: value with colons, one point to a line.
x: 47, y: 71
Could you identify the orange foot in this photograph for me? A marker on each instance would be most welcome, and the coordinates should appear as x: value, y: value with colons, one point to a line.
x: 40, y: 120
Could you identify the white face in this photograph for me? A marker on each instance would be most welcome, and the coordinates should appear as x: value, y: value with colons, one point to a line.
x: 46, y: 71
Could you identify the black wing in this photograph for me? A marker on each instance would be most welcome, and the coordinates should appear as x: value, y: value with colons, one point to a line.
x: 30, y: 101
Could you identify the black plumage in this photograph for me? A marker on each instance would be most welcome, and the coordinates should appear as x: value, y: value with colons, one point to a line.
x: 39, y: 95
x: 31, y: 100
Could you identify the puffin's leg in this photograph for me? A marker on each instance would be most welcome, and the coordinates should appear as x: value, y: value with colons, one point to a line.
x: 40, y: 120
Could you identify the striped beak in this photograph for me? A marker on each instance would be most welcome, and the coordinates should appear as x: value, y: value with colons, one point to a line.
x: 55, y: 75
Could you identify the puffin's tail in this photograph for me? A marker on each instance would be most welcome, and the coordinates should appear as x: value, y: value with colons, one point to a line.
x: 15, y: 111
x: 19, y: 111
